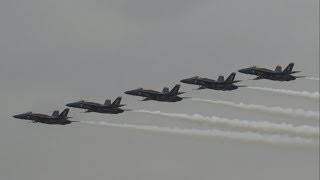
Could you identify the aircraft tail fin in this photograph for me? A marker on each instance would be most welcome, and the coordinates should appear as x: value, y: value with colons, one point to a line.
x: 175, y: 90
x: 231, y: 77
x: 107, y: 102
x: 117, y: 101
x: 55, y: 113
x: 64, y: 114
x: 165, y: 90
x: 289, y: 68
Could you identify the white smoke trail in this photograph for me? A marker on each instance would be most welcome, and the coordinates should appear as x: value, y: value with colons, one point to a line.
x: 288, y: 112
x: 239, y: 136
x: 312, y: 78
x: 264, y: 126
x: 304, y: 94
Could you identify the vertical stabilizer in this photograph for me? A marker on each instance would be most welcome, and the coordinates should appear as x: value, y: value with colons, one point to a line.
x: 289, y: 68
x: 117, y: 101
x: 231, y: 77
x: 64, y: 114
x: 175, y: 90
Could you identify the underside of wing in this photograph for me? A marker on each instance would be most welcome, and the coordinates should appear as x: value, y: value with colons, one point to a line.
x: 258, y: 78
x: 146, y: 99
x: 201, y: 87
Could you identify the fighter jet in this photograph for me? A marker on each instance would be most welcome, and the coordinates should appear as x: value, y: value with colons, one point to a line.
x: 220, y: 84
x: 106, y: 108
x: 164, y: 96
x: 276, y: 75
x: 55, y: 118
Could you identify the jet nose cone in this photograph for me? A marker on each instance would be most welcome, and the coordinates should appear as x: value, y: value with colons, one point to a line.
x: 187, y: 81
x: 18, y: 116
x: 241, y: 70
x: 184, y: 81
x: 71, y: 105
x: 129, y: 92
x: 245, y: 70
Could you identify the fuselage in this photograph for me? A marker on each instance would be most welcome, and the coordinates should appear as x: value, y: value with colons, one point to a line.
x: 268, y: 74
x: 206, y: 83
x: 42, y: 118
x: 154, y: 95
x: 95, y: 107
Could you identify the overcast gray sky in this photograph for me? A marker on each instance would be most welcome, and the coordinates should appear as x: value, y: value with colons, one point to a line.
x: 55, y: 52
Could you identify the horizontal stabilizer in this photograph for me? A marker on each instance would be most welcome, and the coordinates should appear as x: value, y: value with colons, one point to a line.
x: 242, y: 86
x: 300, y: 76
x: 236, y: 81
x: 75, y: 121
x: 293, y: 72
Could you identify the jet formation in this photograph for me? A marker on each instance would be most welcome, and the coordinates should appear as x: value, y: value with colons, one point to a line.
x: 165, y: 96
x: 220, y: 84
x: 274, y: 75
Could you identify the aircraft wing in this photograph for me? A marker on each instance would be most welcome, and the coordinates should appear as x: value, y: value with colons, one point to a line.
x: 293, y: 72
x: 236, y: 81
